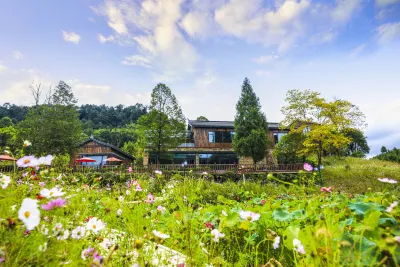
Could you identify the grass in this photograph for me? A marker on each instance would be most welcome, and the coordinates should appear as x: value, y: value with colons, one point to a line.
x: 342, y: 228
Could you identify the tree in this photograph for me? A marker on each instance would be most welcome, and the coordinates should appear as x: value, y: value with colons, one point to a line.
x: 324, y: 123
x: 288, y: 148
x: 54, y: 129
x: 6, y: 122
x: 63, y: 95
x: 358, y: 146
x: 251, y: 127
x: 392, y: 155
x: 201, y: 118
x: 383, y: 149
x: 164, y: 125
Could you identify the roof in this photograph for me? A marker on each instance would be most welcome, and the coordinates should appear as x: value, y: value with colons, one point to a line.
x: 224, y: 124
x: 91, y: 139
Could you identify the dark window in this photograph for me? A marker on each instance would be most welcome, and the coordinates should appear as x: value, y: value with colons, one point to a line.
x: 220, y: 137
x: 222, y: 158
x: 278, y: 136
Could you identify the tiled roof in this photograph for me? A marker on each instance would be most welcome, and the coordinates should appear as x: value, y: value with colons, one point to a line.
x: 91, y: 139
x: 223, y: 124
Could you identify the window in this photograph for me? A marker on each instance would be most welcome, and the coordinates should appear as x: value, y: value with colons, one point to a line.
x: 278, y: 136
x: 220, y: 137
x: 211, y: 137
x: 221, y: 158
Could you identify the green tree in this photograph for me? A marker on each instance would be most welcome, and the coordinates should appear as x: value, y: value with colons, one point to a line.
x: 6, y: 122
x: 287, y: 149
x: 201, y: 118
x: 63, y: 95
x: 358, y: 147
x: 323, y: 122
x: 251, y: 127
x: 392, y: 155
x: 383, y: 149
x: 164, y: 126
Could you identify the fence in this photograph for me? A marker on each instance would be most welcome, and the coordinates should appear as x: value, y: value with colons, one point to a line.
x: 209, y: 168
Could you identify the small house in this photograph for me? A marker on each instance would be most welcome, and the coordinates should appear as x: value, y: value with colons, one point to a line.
x: 100, y: 151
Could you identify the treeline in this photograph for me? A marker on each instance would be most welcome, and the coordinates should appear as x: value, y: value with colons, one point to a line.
x: 392, y: 155
x: 92, y: 116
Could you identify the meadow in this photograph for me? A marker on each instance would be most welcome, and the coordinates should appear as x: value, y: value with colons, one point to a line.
x: 124, y: 219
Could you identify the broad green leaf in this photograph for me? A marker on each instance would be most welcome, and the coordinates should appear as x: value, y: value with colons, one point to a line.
x: 372, y: 218
x: 282, y: 215
x: 289, y: 234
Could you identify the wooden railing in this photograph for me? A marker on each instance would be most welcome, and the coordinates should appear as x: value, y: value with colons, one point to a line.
x: 209, y: 168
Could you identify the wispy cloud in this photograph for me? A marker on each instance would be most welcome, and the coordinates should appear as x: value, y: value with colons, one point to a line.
x: 356, y: 51
x: 386, y: 2
x: 71, y: 37
x: 388, y: 32
x: 18, y: 55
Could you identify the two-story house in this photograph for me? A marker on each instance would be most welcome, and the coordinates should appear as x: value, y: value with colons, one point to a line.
x: 210, y: 142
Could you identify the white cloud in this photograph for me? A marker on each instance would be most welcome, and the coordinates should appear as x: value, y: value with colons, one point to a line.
x: 266, y: 59
x: 71, y: 37
x: 137, y: 60
x: 102, y: 39
x: 18, y: 55
x: 356, y: 51
x: 345, y: 9
x: 263, y: 73
x: 2, y: 68
x: 388, y: 32
x: 91, y: 20
x: 386, y: 2
x: 153, y: 28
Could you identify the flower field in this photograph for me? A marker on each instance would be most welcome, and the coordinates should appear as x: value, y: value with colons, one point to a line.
x: 52, y: 219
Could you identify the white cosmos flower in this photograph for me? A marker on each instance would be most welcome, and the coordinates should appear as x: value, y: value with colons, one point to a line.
x: 392, y: 206
x: 277, y: 240
x: 54, y: 192
x: 397, y: 238
x: 64, y: 236
x: 27, y: 143
x: 29, y: 213
x: 13, y: 207
x: 106, y: 244
x: 95, y: 225
x: 27, y: 161
x: 4, y: 180
x: 298, y: 246
x: 44, y: 230
x: 78, y: 232
x: 46, y: 160
x: 387, y: 180
x: 128, y: 192
x: 216, y: 235
x: 57, y: 228
x: 121, y: 198
x: 248, y: 215
x: 160, y: 235
x: 43, y: 247
x: 119, y: 212
x: 224, y: 213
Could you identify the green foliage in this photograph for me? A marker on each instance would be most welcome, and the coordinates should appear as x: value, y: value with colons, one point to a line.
x: 288, y: 149
x: 116, y: 136
x: 358, y: 147
x: 201, y: 118
x: 164, y: 126
x: 63, y: 95
x: 14, y: 112
x: 251, y: 127
x: 392, y: 155
x: 335, y: 229
x: 323, y: 122
x: 9, y: 138
x: 53, y: 129
x: 6, y: 122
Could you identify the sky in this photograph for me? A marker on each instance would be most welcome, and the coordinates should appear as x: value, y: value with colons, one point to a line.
x: 116, y: 51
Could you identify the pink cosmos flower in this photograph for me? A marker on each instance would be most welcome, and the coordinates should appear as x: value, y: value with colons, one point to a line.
x: 130, y: 169
x: 59, y: 202
x: 2, y: 259
x: 128, y: 184
x: 308, y: 167
x: 41, y: 184
x: 138, y: 187
x: 209, y: 225
x: 150, y: 198
x: 326, y: 189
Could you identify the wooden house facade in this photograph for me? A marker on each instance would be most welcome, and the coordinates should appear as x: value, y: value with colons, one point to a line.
x: 210, y: 142
x: 100, y: 151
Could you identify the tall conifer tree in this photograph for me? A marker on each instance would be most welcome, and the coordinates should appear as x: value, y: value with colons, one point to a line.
x: 251, y: 137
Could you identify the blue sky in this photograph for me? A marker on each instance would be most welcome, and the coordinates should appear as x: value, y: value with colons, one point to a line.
x: 116, y: 51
